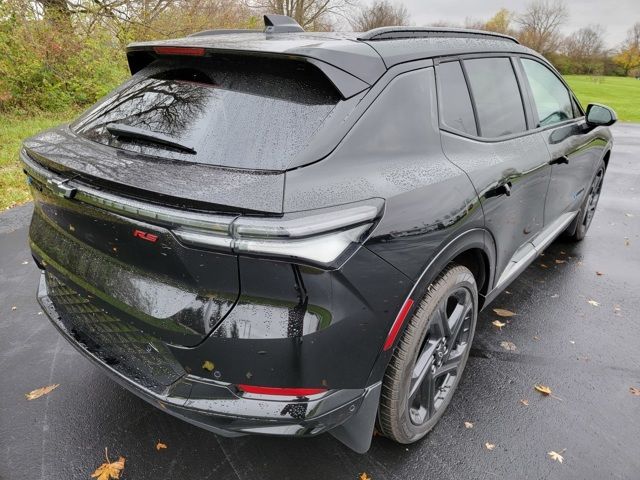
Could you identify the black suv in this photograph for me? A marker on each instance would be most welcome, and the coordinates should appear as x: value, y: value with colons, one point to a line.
x: 289, y: 233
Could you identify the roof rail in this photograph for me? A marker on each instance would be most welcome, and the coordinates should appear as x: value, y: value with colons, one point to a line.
x: 280, y: 24
x: 392, y: 33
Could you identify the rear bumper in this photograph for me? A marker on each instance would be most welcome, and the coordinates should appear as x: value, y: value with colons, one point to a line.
x: 216, y: 406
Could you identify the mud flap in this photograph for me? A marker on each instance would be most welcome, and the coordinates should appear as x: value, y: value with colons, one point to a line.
x: 357, y: 432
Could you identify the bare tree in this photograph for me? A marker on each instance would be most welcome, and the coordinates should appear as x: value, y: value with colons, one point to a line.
x: 540, y: 25
x: 381, y: 13
x: 310, y: 14
x: 586, y: 43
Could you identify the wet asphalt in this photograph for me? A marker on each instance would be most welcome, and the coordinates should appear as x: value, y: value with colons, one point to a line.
x: 589, y: 355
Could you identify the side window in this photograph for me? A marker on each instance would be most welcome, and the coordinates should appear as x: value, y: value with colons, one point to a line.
x: 552, y: 98
x: 455, y: 102
x: 496, y: 95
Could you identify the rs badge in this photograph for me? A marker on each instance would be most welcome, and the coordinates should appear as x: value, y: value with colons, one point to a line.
x: 149, y: 237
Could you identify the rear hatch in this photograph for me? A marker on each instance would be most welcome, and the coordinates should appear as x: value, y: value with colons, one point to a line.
x: 186, y: 142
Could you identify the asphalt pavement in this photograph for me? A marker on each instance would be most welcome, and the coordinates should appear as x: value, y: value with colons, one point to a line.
x: 588, y: 353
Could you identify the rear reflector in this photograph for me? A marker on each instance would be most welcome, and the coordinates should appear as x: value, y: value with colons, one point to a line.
x: 289, y: 392
x: 397, y: 324
x: 189, y: 51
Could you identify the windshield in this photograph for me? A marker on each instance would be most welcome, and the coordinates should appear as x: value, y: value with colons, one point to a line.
x: 245, y: 113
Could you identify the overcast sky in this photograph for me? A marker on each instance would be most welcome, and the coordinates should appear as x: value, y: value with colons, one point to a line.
x: 616, y: 16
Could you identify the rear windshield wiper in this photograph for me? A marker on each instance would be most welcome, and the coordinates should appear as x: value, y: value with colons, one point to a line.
x: 122, y: 130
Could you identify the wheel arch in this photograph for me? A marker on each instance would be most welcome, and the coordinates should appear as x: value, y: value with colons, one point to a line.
x: 474, y: 249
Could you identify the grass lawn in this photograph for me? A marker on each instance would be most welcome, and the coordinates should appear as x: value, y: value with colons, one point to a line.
x: 620, y: 93
x: 14, y: 129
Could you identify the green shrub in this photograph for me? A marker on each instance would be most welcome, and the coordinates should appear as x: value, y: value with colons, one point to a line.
x: 43, y: 67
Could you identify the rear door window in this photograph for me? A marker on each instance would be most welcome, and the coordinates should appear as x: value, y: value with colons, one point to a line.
x: 243, y: 113
x: 455, y: 103
x: 553, y: 101
x: 496, y: 95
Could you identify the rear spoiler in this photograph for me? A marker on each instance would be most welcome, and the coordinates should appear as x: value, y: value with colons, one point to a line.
x: 346, y: 84
x: 352, y: 67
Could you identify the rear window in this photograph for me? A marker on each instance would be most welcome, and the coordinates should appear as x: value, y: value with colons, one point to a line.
x: 457, y: 112
x: 497, y: 96
x: 244, y: 112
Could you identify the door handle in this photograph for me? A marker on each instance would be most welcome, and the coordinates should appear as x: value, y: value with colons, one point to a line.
x: 504, y: 189
x: 560, y: 160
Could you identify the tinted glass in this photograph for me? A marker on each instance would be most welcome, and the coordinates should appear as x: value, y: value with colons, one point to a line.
x: 455, y: 103
x: 496, y: 95
x: 245, y: 114
x: 553, y: 102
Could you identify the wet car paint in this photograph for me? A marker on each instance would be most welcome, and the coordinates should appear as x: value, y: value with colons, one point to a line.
x: 588, y: 355
x: 440, y: 203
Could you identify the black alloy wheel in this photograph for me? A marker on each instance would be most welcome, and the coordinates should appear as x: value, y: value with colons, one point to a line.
x: 430, y: 357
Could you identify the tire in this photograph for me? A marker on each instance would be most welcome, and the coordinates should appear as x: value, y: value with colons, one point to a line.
x: 588, y: 209
x: 404, y: 417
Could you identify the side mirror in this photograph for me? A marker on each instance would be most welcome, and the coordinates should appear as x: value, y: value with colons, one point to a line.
x: 600, y: 115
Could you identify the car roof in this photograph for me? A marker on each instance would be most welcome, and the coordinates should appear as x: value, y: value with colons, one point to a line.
x: 365, y: 56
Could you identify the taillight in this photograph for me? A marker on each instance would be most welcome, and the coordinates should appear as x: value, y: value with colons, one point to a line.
x: 324, y: 237
x: 188, y: 51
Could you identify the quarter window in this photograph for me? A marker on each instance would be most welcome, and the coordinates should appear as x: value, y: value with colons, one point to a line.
x: 553, y: 102
x: 455, y: 103
x: 496, y: 95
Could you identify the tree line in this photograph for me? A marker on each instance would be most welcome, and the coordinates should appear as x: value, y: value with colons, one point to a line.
x: 64, y: 54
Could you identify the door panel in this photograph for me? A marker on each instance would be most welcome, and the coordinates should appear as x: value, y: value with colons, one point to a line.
x: 513, y: 214
x: 573, y: 148
x: 575, y: 152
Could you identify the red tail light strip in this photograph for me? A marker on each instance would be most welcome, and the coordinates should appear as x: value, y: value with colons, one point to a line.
x: 289, y: 392
x: 397, y: 324
x: 189, y: 51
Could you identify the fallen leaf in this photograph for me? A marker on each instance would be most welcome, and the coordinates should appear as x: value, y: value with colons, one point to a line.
x: 489, y: 446
x: 109, y: 470
x: 501, y: 312
x: 364, y: 476
x: 160, y: 446
x: 498, y: 323
x: 599, y: 274
x: 556, y: 456
x: 468, y: 425
x: 562, y: 252
x: 524, y: 401
x: 208, y: 365
x: 594, y: 303
x: 626, y: 242
x: 536, y: 337
x: 543, y: 389
x: 634, y: 391
x: 543, y: 265
x: 38, y: 392
x: 509, y: 346
x: 560, y: 261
